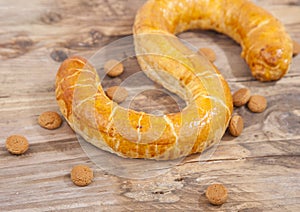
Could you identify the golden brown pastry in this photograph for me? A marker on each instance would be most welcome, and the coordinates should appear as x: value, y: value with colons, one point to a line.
x: 133, y: 134
x: 166, y: 60
x: 266, y: 46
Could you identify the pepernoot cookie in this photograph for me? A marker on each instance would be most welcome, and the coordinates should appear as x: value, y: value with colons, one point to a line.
x: 16, y: 144
x: 216, y: 194
x: 81, y: 175
x: 257, y: 104
x: 50, y: 120
x: 117, y: 93
x: 236, y: 125
x: 113, y: 68
x: 296, y: 48
x: 241, y: 97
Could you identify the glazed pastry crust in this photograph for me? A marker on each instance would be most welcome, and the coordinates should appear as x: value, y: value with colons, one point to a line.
x: 266, y: 46
x: 133, y: 134
x: 167, y: 61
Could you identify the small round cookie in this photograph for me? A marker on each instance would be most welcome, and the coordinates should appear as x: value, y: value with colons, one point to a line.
x: 117, y: 93
x: 257, y: 104
x: 296, y: 48
x: 216, y: 194
x: 241, y: 97
x: 50, y: 120
x: 113, y: 68
x: 209, y: 53
x: 81, y: 175
x: 16, y: 144
x: 236, y: 125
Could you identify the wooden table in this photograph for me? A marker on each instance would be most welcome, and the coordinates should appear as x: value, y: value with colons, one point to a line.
x: 260, y: 168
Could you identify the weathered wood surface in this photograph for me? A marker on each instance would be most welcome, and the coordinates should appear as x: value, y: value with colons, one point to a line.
x: 260, y: 168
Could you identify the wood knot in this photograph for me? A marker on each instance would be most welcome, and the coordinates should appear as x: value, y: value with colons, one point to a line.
x: 88, y: 40
x: 160, y: 192
x: 95, y: 35
x: 23, y: 43
x: 16, y: 46
x: 179, y: 179
x: 126, y: 186
x: 58, y: 55
x: 51, y: 17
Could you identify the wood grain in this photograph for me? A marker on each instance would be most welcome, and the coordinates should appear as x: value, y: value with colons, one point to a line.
x: 260, y: 168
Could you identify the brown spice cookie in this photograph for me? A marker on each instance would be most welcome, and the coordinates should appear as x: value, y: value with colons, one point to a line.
x: 81, y: 175
x: 16, y: 144
x: 113, y: 68
x: 209, y: 53
x: 236, y: 125
x: 216, y: 194
x: 257, y: 103
x: 50, y: 120
x: 296, y: 48
x: 117, y: 93
x: 241, y: 97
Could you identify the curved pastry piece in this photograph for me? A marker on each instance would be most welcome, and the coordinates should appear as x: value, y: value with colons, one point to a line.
x: 128, y: 133
x: 266, y: 46
x: 133, y: 134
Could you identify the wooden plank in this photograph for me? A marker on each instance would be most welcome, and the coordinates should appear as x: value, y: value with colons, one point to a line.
x: 183, y: 185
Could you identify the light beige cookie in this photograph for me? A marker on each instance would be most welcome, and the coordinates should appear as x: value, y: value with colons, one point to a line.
x: 16, y: 144
x: 236, y: 125
x: 296, y: 48
x: 216, y: 194
x: 81, y: 175
x: 257, y: 104
x: 50, y: 120
x: 241, y: 97
x: 117, y: 93
x: 113, y: 68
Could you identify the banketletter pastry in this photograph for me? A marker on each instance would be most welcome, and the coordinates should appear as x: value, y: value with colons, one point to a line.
x: 266, y: 47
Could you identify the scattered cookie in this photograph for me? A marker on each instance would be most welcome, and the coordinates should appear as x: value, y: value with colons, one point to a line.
x: 113, y: 68
x: 209, y: 53
x: 257, y: 103
x: 236, y: 125
x: 117, y: 93
x: 296, y: 48
x: 82, y: 175
x: 216, y: 194
x: 50, y: 120
x: 16, y: 144
x: 241, y: 97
